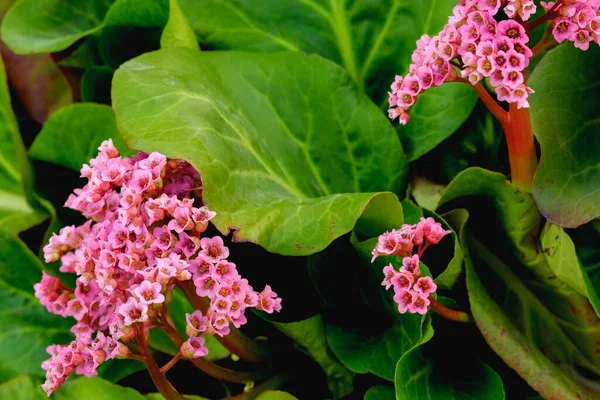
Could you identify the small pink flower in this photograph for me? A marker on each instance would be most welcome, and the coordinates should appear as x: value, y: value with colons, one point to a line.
x: 76, y: 309
x: 402, y: 281
x: 410, y: 265
x: 389, y: 273
x: 225, y: 270
x: 268, y: 301
x: 405, y: 299
x: 196, y: 323
x: 149, y: 293
x: 194, y: 347
x: 213, y: 249
x: 425, y: 286
x: 513, y: 30
x: 419, y: 304
x: 133, y: 311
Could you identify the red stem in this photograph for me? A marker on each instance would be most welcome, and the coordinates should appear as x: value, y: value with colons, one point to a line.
x: 236, y: 342
x: 490, y: 103
x: 448, y: 313
x: 165, y: 368
x: 530, y: 26
x: 160, y: 380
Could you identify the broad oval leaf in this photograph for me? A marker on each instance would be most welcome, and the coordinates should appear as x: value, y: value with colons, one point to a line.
x: 178, y: 32
x: 72, y: 135
x: 276, y: 395
x: 565, y: 113
x: 47, y: 26
x: 380, y: 393
x: 23, y: 387
x: 290, y: 152
x: 95, y: 389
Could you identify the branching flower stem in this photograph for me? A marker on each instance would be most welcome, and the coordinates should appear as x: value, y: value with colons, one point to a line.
x: 448, y: 313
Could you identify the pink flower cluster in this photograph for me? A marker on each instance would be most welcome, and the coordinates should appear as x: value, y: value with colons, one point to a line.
x: 476, y: 44
x: 411, y: 290
x: 577, y: 21
x: 142, y: 239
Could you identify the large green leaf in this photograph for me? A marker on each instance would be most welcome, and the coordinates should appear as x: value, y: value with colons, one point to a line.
x: 372, y: 40
x: 380, y: 393
x: 19, y: 209
x: 513, y: 338
x: 95, y: 389
x: 47, y: 26
x: 290, y: 152
x: 27, y: 327
x: 132, y: 27
x: 309, y: 334
x: 422, y: 378
x: 438, y: 113
x: 72, y: 135
x: 276, y: 395
x: 565, y: 113
x: 544, y: 311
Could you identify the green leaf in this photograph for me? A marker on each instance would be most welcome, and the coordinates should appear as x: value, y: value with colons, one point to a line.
x: 95, y: 389
x: 372, y: 40
x: 562, y: 259
x: 309, y: 334
x: 276, y: 395
x: 438, y: 113
x: 178, y: 32
x: 23, y: 387
x: 514, y: 345
x: 47, y: 26
x: 380, y: 393
x: 290, y: 152
x: 566, y: 120
x: 158, y: 396
x: 19, y: 210
x: 72, y: 135
x: 426, y: 193
x: 87, y: 55
x: 132, y: 27
x: 27, y: 327
x: 422, y: 378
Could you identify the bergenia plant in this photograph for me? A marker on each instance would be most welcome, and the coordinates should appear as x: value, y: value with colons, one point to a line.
x: 208, y: 199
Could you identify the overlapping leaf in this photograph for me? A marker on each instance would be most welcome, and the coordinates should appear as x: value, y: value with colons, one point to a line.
x: 290, y: 152
x: 565, y: 113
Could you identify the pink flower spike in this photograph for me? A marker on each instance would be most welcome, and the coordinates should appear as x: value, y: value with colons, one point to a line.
x: 213, y: 249
x: 419, y: 305
x: 149, y: 293
x: 194, y: 347
x: 133, y: 311
x: 196, y: 323
x: 405, y: 299
x: 425, y: 286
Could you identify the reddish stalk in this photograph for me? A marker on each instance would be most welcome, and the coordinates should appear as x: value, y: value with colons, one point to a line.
x: 529, y: 27
x: 492, y: 105
x: 160, y: 380
x: 214, y: 370
x: 236, y: 342
x: 165, y: 368
x: 448, y: 313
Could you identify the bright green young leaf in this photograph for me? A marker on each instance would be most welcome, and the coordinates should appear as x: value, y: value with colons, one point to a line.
x: 131, y: 28
x: 565, y: 113
x: 72, y: 135
x: 513, y: 337
x: 290, y: 152
x: 19, y: 209
x: 422, y: 378
x: 380, y: 393
x: 178, y: 32
x: 23, y: 387
x: 438, y: 114
x: 309, y: 335
x: 95, y: 389
x: 276, y: 395
x: 426, y: 193
x: 27, y: 327
x: 47, y: 26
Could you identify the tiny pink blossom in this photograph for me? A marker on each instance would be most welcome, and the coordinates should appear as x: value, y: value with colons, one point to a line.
x: 213, y: 249
x: 133, y: 311
x: 149, y: 293
x: 425, y: 286
x: 268, y: 301
x: 194, y: 347
x: 388, y: 274
x: 419, y: 304
x: 402, y: 281
x: 196, y: 323
x: 405, y: 299
x: 410, y: 265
